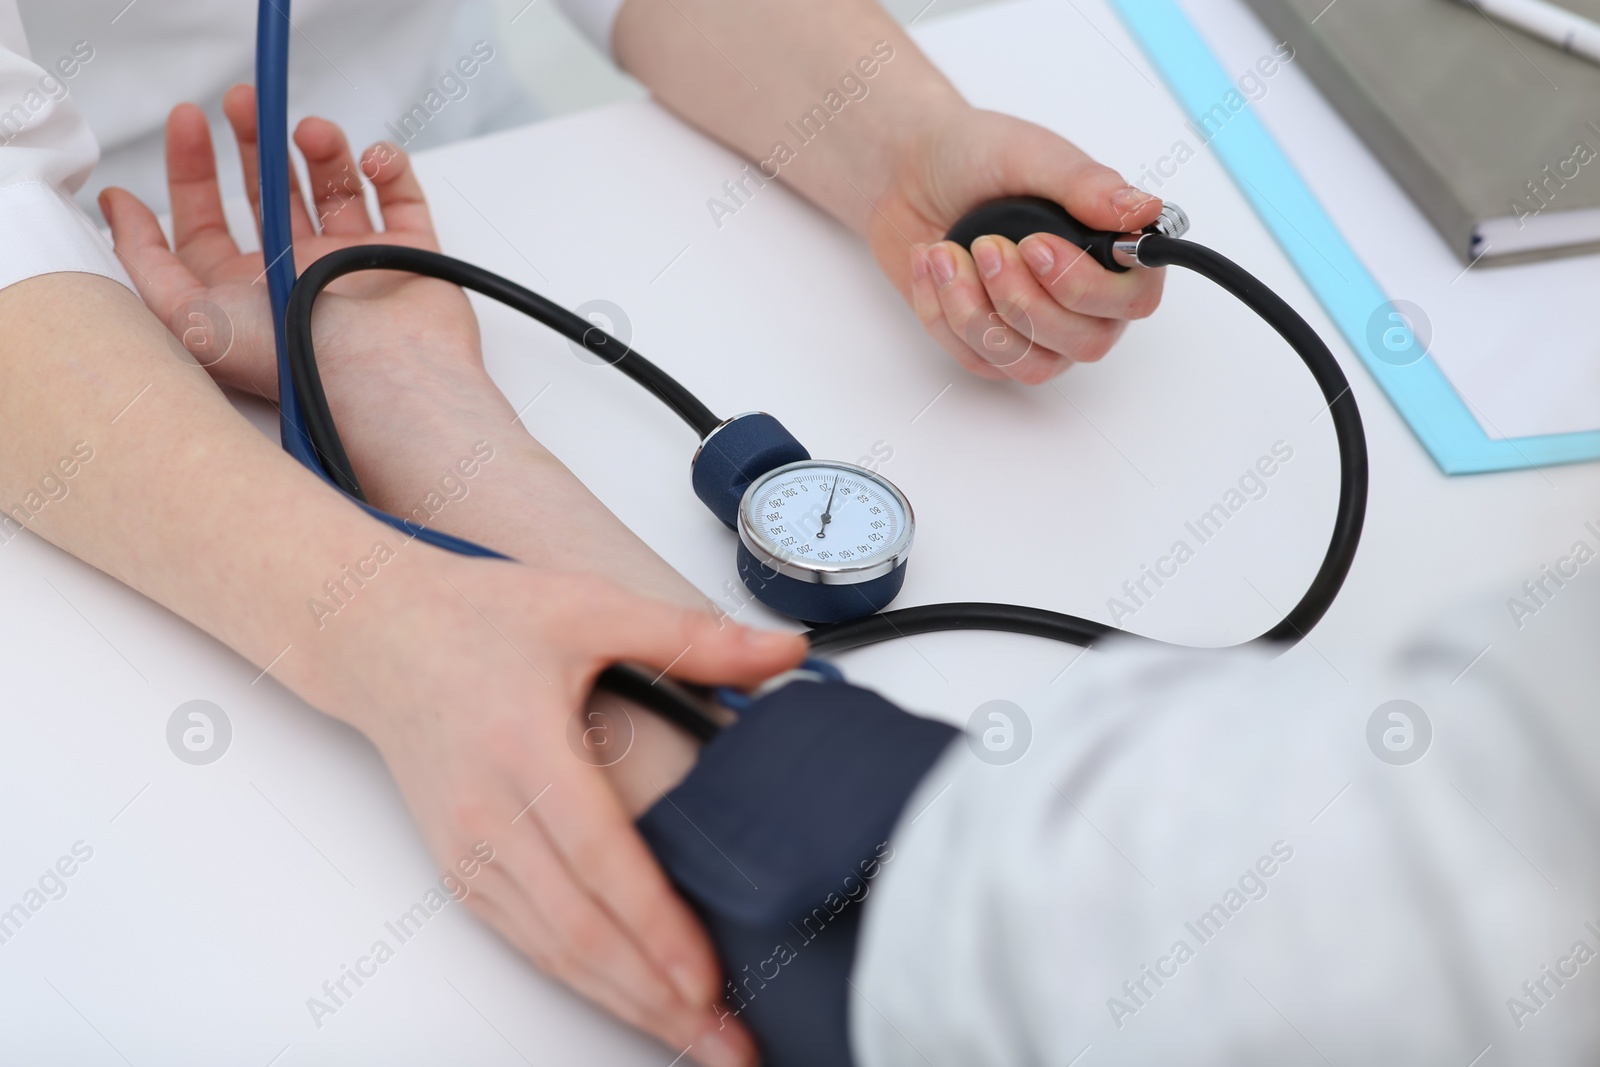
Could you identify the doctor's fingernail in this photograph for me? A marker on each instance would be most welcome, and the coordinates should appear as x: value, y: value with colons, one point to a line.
x: 1036, y: 253
x: 714, y: 1050
x: 1129, y: 199
x: 943, y: 263
x: 986, y: 251
x: 765, y: 640
x: 919, y: 261
x: 688, y: 986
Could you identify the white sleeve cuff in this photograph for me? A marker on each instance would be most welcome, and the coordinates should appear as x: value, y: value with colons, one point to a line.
x: 594, y: 18
x: 42, y: 231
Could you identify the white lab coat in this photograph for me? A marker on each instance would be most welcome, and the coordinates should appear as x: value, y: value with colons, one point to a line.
x: 86, y: 79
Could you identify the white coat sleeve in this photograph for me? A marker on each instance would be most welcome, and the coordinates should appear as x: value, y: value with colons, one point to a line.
x: 594, y: 18
x: 1217, y: 860
x: 46, y: 153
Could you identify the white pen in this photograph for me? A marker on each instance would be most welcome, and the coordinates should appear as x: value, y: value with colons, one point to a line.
x: 1567, y: 30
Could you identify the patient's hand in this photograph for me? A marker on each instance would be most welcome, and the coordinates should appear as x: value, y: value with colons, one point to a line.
x: 381, y: 336
x: 399, y: 355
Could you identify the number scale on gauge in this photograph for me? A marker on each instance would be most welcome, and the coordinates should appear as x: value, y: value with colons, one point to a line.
x: 827, y: 515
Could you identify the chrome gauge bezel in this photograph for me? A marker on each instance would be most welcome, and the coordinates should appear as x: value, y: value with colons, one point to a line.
x: 810, y: 570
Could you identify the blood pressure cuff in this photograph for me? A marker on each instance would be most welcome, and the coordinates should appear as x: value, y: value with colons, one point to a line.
x: 775, y: 837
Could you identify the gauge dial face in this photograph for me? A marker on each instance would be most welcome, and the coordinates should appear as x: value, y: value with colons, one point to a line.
x: 826, y: 517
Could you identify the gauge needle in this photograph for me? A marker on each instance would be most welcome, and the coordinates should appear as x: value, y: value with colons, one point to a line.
x: 827, y: 513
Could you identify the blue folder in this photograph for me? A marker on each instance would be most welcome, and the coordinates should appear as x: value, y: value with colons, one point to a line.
x: 1425, y: 398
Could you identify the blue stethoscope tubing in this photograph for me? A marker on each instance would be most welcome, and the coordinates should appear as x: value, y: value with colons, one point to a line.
x: 277, y: 246
x: 677, y: 703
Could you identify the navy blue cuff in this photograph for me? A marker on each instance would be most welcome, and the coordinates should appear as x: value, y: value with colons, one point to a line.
x: 788, y: 802
x: 775, y: 837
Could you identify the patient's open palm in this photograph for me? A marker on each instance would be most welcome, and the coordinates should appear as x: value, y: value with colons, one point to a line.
x: 204, y: 273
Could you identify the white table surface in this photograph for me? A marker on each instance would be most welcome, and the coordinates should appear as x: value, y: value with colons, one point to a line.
x: 219, y: 898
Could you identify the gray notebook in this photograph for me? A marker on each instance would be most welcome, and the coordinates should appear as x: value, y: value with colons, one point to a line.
x: 1494, y: 134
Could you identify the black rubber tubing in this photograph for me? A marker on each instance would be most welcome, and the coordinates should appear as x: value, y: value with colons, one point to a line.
x: 1154, y: 250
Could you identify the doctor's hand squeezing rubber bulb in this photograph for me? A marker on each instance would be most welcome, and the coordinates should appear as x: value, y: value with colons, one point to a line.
x: 825, y: 541
x: 1017, y: 217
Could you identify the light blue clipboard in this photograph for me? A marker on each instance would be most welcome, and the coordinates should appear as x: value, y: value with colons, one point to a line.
x: 1424, y: 396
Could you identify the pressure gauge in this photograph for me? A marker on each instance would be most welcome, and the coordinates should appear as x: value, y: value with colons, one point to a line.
x: 819, y: 541
x: 824, y: 541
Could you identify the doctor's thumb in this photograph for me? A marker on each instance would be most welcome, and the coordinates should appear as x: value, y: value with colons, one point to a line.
x: 1107, y: 202
x: 1092, y: 193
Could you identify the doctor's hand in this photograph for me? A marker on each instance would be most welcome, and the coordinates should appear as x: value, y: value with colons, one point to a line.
x: 1025, y: 312
x: 470, y: 677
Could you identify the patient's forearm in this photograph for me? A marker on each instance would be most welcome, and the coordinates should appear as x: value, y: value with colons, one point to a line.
x: 173, y: 493
x: 414, y: 446
x: 750, y: 72
x: 125, y: 454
